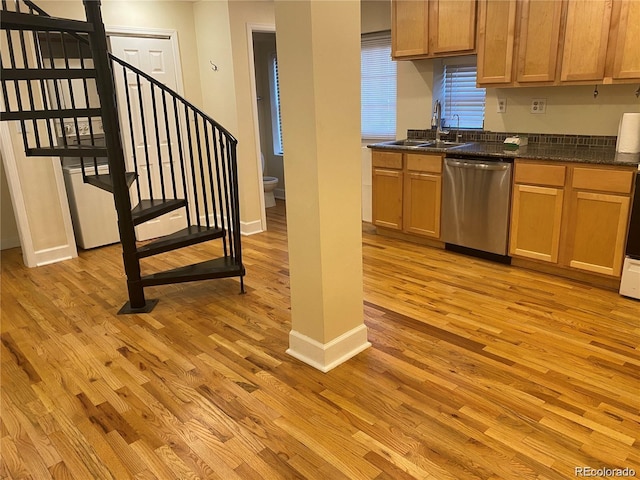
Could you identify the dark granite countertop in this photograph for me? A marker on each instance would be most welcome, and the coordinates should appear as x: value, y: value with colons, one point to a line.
x: 562, y: 153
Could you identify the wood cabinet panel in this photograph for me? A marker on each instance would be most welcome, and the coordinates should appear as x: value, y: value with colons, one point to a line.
x: 409, y: 31
x: 540, y: 174
x: 585, y: 41
x: 422, y: 199
x: 386, y: 159
x: 626, y: 62
x: 536, y: 218
x: 539, y: 35
x: 601, y: 179
x: 387, y: 198
x: 424, y: 163
x: 597, y: 232
x: 496, y: 31
x: 452, y: 26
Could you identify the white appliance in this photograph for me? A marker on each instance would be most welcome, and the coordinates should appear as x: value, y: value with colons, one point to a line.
x: 93, y: 212
x: 630, y: 283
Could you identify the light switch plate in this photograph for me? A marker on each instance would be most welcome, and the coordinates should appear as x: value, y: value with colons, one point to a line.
x: 538, y: 105
x: 502, y: 105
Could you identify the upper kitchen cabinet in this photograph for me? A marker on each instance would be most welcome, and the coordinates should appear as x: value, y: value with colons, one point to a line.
x: 553, y: 42
x: 409, y: 31
x: 432, y: 28
x: 585, y: 40
x: 538, y: 40
x: 452, y: 26
x: 496, y: 30
x: 626, y: 61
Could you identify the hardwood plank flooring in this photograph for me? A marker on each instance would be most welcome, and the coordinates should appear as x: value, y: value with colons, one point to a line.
x: 477, y: 371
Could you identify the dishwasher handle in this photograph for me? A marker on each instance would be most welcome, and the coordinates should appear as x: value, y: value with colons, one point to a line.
x: 476, y: 165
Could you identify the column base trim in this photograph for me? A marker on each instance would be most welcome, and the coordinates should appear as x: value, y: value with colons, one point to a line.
x: 325, y: 357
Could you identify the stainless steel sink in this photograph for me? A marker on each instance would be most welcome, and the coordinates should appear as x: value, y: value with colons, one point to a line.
x: 443, y: 144
x: 408, y: 143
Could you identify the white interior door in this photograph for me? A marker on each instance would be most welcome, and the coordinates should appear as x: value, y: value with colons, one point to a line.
x: 155, y: 57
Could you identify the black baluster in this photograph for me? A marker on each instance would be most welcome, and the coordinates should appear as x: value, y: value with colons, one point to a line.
x: 157, y: 132
x: 171, y: 165
x: 43, y: 89
x: 16, y: 84
x: 219, y: 188
x: 133, y: 142
x: 211, y: 189
x: 181, y: 154
x: 226, y: 194
x: 144, y: 136
x: 29, y: 89
x: 56, y: 89
x: 201, y: 165
x: 193, y: 168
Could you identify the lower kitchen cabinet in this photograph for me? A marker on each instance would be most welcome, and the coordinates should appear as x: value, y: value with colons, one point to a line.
x: 598, y: 232
x: 572, y: 216
x: 536, y: 217
x: 387, y: 189
x: 422, y: 197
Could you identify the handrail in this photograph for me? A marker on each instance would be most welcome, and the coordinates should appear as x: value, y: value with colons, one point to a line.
x: 174, y: 94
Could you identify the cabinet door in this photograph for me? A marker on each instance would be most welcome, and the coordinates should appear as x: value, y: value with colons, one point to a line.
x: 387, y: 198
x: 422, y: 197
x: 538, y: 36
x: 536, y: 217
x: 409, y: 25
x: 452, y: 26
x: 597, y: 232
x: 496, y: 30
x: 585, y: 42
x: 626, y: 62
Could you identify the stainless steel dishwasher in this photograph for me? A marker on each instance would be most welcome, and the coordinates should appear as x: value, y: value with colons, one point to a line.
x: 476, y: 196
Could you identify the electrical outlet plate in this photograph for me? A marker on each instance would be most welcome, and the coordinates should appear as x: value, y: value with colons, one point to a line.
x: 502, y: 105
x: 538, y: 105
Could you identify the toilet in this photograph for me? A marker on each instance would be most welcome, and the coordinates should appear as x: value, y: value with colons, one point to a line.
x: 270, y: 183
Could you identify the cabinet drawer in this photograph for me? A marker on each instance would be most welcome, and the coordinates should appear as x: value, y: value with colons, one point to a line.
x: 387, y: 160
x: 540, y: 174
x: 424, y: 163
x: 602, y: 179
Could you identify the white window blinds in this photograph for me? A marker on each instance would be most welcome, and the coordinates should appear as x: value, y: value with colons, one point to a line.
x: 276, y: 118
x: 461, y: 97
x: 378, y: 87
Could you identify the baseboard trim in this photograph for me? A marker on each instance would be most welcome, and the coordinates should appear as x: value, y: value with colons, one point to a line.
x: 325, y: 357
x: 279, y: 193
x: 251, y: 228
x: 48, y: 256
x: 11, y: 242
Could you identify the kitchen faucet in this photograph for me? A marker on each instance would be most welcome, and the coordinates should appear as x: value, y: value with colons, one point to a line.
x: 437, y: 113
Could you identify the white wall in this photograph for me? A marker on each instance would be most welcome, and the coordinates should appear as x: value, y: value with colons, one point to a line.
x: 570, y: 110
x: 9, y: 237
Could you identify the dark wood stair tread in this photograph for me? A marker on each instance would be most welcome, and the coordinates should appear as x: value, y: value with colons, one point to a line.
x: 68, y: 151
x: 25, y: 21
x: 182, y: 238
x: 104, y: 181
x: 149, y: 209
x: 218, y: 268
x: 51, y: 113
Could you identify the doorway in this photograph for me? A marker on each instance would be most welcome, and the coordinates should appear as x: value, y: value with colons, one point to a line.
x: 268, y: 133
x: 156, y: 56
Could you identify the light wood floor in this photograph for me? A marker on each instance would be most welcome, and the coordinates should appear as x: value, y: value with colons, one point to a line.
x: 477, y: 371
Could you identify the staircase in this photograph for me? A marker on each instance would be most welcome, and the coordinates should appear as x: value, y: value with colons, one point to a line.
x: 59, y: 83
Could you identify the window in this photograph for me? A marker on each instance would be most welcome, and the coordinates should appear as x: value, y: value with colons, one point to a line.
x: 461, y: 97
x: 276, y: 119
x: 378, y: 87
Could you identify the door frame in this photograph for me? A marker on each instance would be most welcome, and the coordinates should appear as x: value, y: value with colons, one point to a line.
x: 251, y: 29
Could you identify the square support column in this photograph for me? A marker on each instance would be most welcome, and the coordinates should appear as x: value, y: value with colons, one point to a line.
x: 318, y: 44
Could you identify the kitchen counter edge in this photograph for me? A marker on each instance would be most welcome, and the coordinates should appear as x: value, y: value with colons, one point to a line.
x: 564, y: 153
